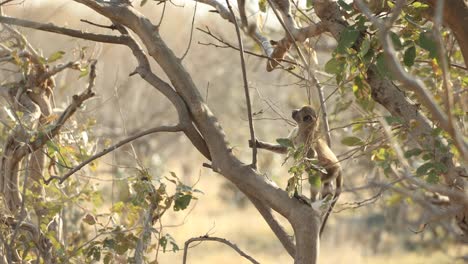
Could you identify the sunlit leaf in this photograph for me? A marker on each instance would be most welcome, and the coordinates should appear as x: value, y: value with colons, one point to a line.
x: 262, y: 5
x: 347, y: 39
x: 334, y: 66
x: 285, y: 142
x: 352, y: 141
x: 55, y: 56
x: 315, y: 180
x: 365, y: 46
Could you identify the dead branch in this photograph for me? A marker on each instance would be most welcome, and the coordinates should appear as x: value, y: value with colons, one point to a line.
x: 217, y: 239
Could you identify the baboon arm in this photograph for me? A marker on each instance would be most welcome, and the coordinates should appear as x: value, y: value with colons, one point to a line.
x: 271, y: 147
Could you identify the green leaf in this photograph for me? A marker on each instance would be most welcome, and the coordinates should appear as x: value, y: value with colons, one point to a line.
x: 345, y: 6
x: 382, y: 68
x: 55, y: 56
x: 424, y: 169
x: 285, y: 142
x: 413, y: 152
x: 440, y: 167
x: 396, y: 40
x: 262, y: 5
x: 315, y: 180
x: 465, y: 80
x: 168, y: 239
x: 333, y: 66
x: 52, y: 146
x: 365, y: 46
x: 409, y: 56
x: 393, y: 120
x: 419, y: 5
x: 108, y: 258
x: 426, y: 41
x: 347, y: 39
x: 432, y: 178
x: 143, y: 2
x: 83, y: 72
x: 352, y: 141
x: 108, y: 243
x: 182, y: 202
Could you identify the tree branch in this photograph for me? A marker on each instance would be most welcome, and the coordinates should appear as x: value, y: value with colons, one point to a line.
x: 246, y: 88
x: 62, y: 30
x: 67, y: 175
x: 217, y: 239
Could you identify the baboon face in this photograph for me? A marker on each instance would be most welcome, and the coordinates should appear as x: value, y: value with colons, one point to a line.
x: 304, y: 117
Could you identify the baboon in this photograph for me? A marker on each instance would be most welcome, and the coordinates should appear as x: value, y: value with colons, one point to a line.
x: 307, y: 134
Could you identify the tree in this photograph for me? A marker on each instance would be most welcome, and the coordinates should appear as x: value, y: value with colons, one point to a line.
x: 414, y: 143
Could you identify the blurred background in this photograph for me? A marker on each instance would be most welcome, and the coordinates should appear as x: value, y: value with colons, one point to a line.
x: 379, y: 231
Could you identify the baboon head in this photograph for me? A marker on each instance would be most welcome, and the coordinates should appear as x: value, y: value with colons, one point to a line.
x: 306, y: 118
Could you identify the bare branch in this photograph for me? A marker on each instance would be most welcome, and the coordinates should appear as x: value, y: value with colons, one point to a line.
x: 252, y: 31
x: 61, y: 179
x: 62, y: 30
x: 246, y: 88
x: 191, y: 31
x: 217, y: 239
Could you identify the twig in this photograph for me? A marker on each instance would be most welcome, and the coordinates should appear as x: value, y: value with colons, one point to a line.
x: 217, y: 239
x: 176, y: 128
x: 229, y: 45
x: 191, y: 31
x: 451, y: 64
x: 6, y: 2
x: 112, y: 27
x: 246, y: 88
x: 62, y: 30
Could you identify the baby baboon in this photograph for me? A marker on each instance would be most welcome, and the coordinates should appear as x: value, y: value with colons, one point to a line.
x: 307, y: 134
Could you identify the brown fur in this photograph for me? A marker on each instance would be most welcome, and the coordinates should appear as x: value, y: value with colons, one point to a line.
x: 307, y: 133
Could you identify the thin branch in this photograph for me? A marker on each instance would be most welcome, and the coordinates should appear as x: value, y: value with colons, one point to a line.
x: 246, y: 88
x: 253, y: 30
x: 191, y: 31
x: 229, y: 45
x: 217, y: 239
x: 6, y: 2
x: 62, y: 30
x: 451, y: 64
x: 176, y: 128
x: 112, y: 27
